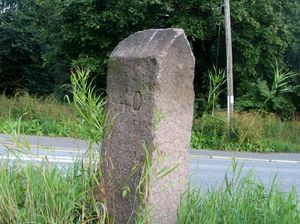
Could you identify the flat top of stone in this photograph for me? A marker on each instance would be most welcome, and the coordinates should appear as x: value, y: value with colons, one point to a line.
x: 148, y: 43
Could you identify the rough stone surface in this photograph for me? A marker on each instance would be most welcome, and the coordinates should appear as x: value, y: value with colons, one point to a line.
x: 150, y: 93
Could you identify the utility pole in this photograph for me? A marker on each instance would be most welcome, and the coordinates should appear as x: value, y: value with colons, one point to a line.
x: 230, y: 96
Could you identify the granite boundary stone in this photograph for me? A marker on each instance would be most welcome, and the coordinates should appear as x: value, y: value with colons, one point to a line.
x: 150, y: 94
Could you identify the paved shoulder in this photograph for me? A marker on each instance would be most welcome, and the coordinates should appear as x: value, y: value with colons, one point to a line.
x: 207, y: 167
x: 69, y: 144
x: 42, y: 141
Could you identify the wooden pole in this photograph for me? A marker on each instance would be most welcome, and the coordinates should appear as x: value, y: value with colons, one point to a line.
x: 230, y: 96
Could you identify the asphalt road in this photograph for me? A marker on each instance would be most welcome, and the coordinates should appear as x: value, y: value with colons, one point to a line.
x: 207, y: 168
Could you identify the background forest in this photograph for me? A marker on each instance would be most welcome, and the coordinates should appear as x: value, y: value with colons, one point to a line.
x: 42, y: 40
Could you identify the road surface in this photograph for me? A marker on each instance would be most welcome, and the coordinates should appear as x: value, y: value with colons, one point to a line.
x: 207, y: 167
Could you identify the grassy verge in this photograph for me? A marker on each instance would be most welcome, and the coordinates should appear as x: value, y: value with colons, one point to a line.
x: 47, y: 194
x: 50, y: 194
x: 245, y: 201
x: 37, y: 116
x: 253, y: 132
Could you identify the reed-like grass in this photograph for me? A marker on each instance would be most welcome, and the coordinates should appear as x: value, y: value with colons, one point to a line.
x: 240, y: 200
x: 47, y: 193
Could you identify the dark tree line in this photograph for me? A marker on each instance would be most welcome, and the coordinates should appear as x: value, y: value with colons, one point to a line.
x: 41, y: 40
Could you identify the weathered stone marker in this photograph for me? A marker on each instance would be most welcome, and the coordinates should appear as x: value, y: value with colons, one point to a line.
x: 150, y: 90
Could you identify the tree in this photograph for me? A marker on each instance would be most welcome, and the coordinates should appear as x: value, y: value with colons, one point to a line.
x: 69, y: 33
x: 22, y: 45
x: 263, y: 32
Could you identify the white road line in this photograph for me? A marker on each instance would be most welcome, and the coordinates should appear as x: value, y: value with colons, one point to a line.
x: 48, y: 148
x: 246, y: 159
x: 68, y: 159
x: 35, y: 158
x: 60, y: 159
x: 83, y: 150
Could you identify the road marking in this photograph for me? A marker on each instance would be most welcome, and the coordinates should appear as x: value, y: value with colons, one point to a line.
x: 83, y: 150
x: 61, y: 159
x: 69, y: 159
x: 48, y: 148
x: 246, y: 159
x: 35, y: 158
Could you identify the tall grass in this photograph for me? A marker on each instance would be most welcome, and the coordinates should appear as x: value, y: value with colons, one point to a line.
x: 241, y: 200
x: 49, y: 193
x: 217, y: 78
x: 45, y: 116
x: 46, y: 193
x: 254, y: 132
x: 33, y: 107
x: 88, y: 105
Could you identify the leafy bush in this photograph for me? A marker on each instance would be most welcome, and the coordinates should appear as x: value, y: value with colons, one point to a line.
x: 262, y: 97
x: 209, y: 131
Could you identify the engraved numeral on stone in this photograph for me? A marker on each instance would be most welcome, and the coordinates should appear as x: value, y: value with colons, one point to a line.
x: 137, y: 100
x: 126, y: 101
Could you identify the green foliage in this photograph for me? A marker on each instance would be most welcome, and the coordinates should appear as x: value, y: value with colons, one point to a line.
x: 261, y: 32
x: 22, y: 48
x: 262, y: 97
x: 84, y: 118
x: 254, y: 133
x: 209, y: 131
x: 49, y: 194
x: 52, y: 36
x: 217, y: 78
x: 88, y: 106
x: 278, y: 134
x: 45, y: 193
x: 39, y: 117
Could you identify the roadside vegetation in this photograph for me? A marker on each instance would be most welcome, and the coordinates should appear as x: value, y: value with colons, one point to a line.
x: 257, y: 130
x: 49, y: 193
x: 39, y: 116
x: 253, y: 131
x: 241, y: 199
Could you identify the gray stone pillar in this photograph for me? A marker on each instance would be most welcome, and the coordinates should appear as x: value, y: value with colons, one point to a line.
x: 150, y: 93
